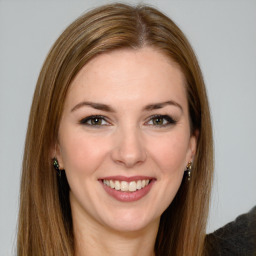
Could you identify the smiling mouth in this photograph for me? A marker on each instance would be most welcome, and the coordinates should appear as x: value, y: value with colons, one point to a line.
x: 126, y: 186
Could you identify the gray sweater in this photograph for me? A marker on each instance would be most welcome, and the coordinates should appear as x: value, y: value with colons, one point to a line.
x: 237, y: 238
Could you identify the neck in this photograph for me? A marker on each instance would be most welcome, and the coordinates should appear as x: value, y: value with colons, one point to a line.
x: 96, y: 240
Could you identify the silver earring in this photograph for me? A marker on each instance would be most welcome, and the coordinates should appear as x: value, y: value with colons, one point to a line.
x: 56, y: 166
x: 188, y: 170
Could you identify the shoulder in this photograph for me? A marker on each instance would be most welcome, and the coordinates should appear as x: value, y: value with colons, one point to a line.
x: 236, y: 238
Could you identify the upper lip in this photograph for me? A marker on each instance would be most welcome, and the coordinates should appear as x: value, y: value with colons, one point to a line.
x: 128, y: 179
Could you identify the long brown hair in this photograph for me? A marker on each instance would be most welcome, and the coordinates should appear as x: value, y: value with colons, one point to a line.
x: 45, y: 223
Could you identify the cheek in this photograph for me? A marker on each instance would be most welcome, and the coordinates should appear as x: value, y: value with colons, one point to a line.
x: 170, y: 153
x: 81, y: 154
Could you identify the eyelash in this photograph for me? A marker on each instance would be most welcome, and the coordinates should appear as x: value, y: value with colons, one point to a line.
x: 85, y: 121
x: 166, y: 119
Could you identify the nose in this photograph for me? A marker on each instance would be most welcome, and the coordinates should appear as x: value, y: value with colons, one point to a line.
x: 129, y: 149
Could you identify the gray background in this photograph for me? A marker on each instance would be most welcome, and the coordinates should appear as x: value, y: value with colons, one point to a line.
x: 223, y: 34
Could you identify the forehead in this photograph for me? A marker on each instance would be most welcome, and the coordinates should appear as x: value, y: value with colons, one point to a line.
x: 127, y: 73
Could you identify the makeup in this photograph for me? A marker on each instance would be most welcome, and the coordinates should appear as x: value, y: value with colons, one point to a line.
x: 127, y: 189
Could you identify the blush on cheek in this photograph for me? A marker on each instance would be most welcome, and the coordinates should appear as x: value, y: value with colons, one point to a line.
x: 171, y: 155
x: 84, y: 153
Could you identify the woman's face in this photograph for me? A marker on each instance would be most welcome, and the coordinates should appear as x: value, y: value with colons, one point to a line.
x: 124, y: 138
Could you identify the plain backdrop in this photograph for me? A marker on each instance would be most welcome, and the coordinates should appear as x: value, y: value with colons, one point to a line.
x: 223, y: 34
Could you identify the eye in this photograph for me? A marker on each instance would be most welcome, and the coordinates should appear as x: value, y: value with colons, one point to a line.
x: 94, y: 121
x: 160, y: 120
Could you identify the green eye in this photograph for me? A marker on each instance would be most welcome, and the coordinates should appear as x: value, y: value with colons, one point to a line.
x: 158, y: 121
x: 161, y: 121
x: 94, y: 121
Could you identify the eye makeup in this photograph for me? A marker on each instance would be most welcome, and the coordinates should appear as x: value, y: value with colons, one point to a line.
x: 95, y: 120
x: 159, y: 121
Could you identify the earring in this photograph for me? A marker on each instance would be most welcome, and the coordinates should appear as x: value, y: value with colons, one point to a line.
x: 188, y: 169
x: 56, y: 166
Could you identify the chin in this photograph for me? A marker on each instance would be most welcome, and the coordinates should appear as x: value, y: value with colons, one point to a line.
x: 132, y: 223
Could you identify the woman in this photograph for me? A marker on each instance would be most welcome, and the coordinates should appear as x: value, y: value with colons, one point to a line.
x: 118, y: 155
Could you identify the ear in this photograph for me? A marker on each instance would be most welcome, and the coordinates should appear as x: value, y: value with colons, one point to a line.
x: 56, y: 152
x: 192, y: 146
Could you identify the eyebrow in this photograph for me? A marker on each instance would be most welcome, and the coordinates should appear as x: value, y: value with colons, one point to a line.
x: 98, y: 106
x: 163, y: 104
x: 107, y: 108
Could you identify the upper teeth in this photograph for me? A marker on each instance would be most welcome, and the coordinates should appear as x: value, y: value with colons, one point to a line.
x: 126, y: 186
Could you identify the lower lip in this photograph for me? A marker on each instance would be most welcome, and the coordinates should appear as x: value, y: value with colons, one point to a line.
x: 128, y: 196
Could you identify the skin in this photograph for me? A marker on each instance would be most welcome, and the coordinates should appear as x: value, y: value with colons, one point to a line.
x: 128, y: 141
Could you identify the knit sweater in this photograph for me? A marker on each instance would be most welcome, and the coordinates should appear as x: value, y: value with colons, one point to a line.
x: 237, y: 238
